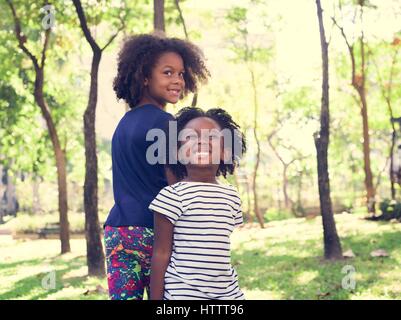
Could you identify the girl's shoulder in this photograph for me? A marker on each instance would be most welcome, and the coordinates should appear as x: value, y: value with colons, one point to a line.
x: 189, y: 186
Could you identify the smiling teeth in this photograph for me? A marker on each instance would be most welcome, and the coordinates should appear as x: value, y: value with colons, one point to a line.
x: 202, y: 153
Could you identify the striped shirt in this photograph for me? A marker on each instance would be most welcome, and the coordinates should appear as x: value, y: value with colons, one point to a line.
x: 204, y: 215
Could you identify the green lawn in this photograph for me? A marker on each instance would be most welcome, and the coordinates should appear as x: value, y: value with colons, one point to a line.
x: 282, y: 261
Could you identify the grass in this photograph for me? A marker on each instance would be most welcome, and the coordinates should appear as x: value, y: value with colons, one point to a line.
x: 35, y: 270
x: 28, y: 223
x: 282, y: 261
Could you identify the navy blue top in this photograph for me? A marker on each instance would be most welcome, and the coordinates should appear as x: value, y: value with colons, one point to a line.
x: 136, y: 182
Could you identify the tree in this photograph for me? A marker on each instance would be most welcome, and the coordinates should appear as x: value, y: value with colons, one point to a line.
x: 59, y: 153
x: 332, y: 246
x: 158, y: 18
x: 184, y: 26
x: 387, y: 92
x: 358, y: 81
x: 286, y: 164
x: 95, y: 255
x: 252, y: 55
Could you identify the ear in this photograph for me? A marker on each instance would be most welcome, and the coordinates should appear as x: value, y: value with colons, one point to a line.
x: 146, y: 82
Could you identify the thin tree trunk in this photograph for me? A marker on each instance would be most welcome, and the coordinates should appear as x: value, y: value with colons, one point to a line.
x: 358, y: 82
x: 177, y: 4
x: 94, y: 247
x: 332, y: 246
x: 392, y: 178
x: 58, y: 152
x: 285, y: 187
x: 360, y: 88
x: 259, y: 216
x: 36, y: 204
x: 8, y: 198
x: 60, y: 162
x: 95, y: 255
x: 158, y: 17
x: 248, y: 197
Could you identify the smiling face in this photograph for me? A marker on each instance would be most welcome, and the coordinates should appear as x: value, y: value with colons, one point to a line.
x: 202, y: 143
x: 166, y: 83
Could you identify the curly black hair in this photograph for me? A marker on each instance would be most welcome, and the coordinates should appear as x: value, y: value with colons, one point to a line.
x: 138, y: 56
x: 225, y: 121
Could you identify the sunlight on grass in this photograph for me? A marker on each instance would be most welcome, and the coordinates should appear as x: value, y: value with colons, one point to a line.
x: 306, y: 277
x: 282, y: 261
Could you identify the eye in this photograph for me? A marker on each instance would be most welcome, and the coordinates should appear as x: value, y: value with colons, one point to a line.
x: 168, y: 72
x: 182, y: 74
x: 214, y: 136
x: 192, y: 137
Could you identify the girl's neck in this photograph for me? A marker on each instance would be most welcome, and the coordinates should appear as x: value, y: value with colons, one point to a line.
x: 147, y: 99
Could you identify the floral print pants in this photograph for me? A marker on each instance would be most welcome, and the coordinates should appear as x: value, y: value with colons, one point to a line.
x: 128, y: 258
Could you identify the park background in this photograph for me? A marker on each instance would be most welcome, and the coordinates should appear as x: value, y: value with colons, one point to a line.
x: 265, y: 59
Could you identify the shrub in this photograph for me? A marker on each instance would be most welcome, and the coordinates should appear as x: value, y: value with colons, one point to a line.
x: 391, y: 209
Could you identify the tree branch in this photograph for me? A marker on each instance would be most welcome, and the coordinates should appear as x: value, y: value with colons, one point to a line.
x: 45, y: 45
x: 350, y: 49
x: 20, y: 37
x: 177, y: 4
x: 84, y: 25
x: 113, y: 37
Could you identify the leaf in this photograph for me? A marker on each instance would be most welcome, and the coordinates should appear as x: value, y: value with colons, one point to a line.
x: 349, y: 254
x: 379, y: 253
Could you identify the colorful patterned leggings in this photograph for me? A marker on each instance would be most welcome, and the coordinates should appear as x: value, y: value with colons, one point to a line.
x: 128, y: 257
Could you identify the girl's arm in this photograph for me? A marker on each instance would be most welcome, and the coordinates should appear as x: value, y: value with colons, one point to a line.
x: 162, y: 246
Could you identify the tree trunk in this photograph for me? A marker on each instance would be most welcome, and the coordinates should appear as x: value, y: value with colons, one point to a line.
x: 297, y: 208
x: 8, y: 198
x: 259, y: 216
x: 177, y: 5
x: 285, y: 187
x: 332, y: 246
x: 94, y: 247
x: 359, y: 85
x: 248, y: 197
x: 370, y: 190
x: 158, y: 17
x: 58, y: 152
x: 36, y: 205
x: 60, y: 162
x: 358, y: 82
x: 392, y: 173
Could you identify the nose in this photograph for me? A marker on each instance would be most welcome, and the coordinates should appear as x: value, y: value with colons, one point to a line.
x: 204, y: 145
x: 178, y: 79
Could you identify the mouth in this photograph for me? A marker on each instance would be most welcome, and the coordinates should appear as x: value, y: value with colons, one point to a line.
x: 175, y: 92
x: 201, y: 154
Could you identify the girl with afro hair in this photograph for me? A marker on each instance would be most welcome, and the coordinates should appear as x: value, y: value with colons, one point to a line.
x: 152, y: 71
x: 195, y: 217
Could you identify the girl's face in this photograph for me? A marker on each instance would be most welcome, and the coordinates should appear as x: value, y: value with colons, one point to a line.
x: 201, y: 143
x: 166, y: 83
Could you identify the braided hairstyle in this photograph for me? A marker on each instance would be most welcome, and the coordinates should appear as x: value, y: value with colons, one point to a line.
x: 139, y: 55
x: 225, y: 121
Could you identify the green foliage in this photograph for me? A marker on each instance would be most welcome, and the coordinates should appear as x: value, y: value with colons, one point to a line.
x: 247, y: 45
x: 274, y: 214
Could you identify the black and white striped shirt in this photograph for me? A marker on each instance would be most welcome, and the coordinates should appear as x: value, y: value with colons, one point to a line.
x: 204, y: 215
